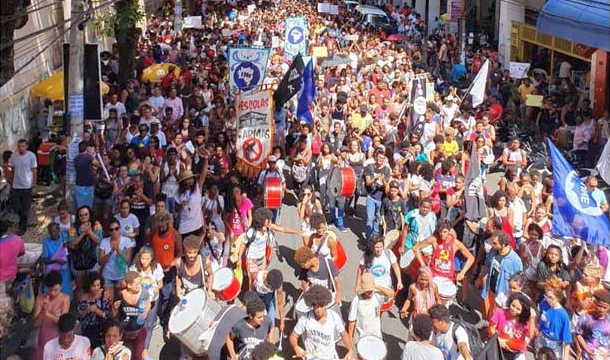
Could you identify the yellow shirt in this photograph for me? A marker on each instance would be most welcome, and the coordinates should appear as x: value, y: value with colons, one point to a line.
x: 524, y: 91
x: 360, y: 122
x: 450, y: 148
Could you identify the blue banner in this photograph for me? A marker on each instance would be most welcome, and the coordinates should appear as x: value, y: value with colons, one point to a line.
x: 308, y: 94
x: 297, y: 32
x: 576, y: 213
x: 247, y: 67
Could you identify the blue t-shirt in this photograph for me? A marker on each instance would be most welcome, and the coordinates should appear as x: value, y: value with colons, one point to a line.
x: 554, y: 323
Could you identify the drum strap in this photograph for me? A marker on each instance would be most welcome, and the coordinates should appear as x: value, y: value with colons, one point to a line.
x: 330, y: 275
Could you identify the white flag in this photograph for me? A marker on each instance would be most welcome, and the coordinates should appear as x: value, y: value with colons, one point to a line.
x: 478, y: 85
x: 603, y: 165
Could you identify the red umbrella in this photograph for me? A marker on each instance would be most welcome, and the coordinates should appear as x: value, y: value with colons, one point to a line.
x: 395, y: 37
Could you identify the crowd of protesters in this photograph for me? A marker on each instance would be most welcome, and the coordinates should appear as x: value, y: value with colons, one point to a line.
x: 160, y: 206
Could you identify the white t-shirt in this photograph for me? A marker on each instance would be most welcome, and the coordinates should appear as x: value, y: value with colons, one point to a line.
x: 366, y: 314
x: 320, y: 338
x: 191, y: 215
x: 150, y: 280
x: 414, y: 350
x: 110, y: 271
x: 381, y: 268
x: 256, y: 249
x: 128, y: 224
x: 449, y: 347
x: 78, y: 350
x: 23, y: 165
x: 519, y: 209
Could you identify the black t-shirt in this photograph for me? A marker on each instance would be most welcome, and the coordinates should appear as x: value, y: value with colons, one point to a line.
x: 247, y: 337
x: 84, y: 169
x: 376, y: 190
x: 393, y: 211
x: 323, y: 276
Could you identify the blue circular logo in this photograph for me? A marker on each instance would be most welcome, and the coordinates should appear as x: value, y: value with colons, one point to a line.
x: 246, y: 75
x: 296, y: 35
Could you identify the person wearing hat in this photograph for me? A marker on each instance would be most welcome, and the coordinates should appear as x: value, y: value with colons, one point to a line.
x: 189, y: 198
x: 365, y: 310
x: 319, y: 328
x: 67, y: 345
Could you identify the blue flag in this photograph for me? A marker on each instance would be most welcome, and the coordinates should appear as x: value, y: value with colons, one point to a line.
x: 308, y: 94
x: 575, y: 211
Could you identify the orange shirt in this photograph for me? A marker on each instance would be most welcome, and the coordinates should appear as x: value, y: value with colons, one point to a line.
x: 44, y: 150
x: 164, y: 247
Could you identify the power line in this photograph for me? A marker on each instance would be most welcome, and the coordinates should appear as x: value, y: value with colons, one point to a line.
x: 6, y: 19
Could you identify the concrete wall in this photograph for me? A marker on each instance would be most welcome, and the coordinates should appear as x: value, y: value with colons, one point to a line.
x: 510, y: 10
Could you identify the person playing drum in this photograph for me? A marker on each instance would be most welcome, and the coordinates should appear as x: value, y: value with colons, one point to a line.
x: 256, y: 243
x: 250, y: 331
x: 272, y: 171
x: 319, y: 328
x: 442, y: 260
x: 379, y: 262
x: 365, y: 310
x: 322, y: 241
x: 318, y: 270
x: 192, y: 269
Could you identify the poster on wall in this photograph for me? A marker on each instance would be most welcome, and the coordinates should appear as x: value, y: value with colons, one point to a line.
x: 254, y: 131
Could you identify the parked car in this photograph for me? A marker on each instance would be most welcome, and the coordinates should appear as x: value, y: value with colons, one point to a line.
x: 372, y: 16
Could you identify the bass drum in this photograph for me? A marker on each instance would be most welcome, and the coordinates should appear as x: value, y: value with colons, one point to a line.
x: 273, y: 193
x: 342, y: 182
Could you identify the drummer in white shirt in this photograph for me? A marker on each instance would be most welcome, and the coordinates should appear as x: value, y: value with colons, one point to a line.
x: 319, y: 328
x: 380, y: 262
x: 272, y: 171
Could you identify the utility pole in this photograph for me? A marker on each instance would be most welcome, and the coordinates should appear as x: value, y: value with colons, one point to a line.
x: 75, y: 99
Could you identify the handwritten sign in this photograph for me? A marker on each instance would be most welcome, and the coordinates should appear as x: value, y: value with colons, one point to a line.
x: 519, y: 70
x: 320, y: 51
x: 327, y: 8
x: 255, y: 123
x: 534, y: 100
x: 192, y: 22
x: 352, y: 37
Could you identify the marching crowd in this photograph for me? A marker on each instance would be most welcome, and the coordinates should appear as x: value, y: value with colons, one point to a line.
x: 161, y: 211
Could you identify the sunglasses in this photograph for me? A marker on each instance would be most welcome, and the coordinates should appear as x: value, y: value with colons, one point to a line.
x: 114, y: 228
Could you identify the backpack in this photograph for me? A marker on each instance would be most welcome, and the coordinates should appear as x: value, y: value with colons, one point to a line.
x: 475, y: 342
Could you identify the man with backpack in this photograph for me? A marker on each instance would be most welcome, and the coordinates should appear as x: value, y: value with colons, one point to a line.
x: 457, y: 339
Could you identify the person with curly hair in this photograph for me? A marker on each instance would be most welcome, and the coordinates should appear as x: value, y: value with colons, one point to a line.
x: 319, y: 328
x: 318, y: 270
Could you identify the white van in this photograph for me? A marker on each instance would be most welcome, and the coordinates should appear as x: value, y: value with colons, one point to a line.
x: 373, y: 16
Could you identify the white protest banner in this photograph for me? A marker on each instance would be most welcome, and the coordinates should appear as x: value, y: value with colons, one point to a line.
x: 247, y: 67
x: 518, y: 70
x: 297, y: 32
x: 251, y: 8
x: 192, y: 22
x: 352, y: 37
x: 254, y: 128
x: 328, y: 8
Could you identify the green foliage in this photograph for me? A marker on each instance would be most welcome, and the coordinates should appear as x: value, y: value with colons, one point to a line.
x: 123, y: 18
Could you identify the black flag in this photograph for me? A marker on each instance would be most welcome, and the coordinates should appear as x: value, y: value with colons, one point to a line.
x: 291, y: 83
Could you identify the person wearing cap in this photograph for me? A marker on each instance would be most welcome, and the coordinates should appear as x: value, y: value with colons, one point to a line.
x: 189, y: 198
x: 365, y: 310
x: 319, y: 328
x: 593, y: 328
x: 67, y: 345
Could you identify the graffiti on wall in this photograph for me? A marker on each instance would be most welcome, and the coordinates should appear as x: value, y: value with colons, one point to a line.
x: 14, y: 120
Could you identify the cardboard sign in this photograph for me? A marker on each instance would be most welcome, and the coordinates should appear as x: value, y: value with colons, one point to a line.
x: 319, y: 51
x: 519, y: 70
x: 275, y: 42
x: 534, y: 100
x: 254, y: 127
x: 192, y: 22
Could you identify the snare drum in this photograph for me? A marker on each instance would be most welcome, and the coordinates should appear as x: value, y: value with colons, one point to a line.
x: 371, y: 347
x: 446, y: 290
x: 341, y: 257
x: 342, y: 182
x: 273, y: 193
x: 225, y: 285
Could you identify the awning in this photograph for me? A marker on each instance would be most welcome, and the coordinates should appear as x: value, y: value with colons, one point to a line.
x: 582, y: 21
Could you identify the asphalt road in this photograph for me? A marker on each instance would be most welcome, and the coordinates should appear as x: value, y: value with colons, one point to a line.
x: 394, y: 329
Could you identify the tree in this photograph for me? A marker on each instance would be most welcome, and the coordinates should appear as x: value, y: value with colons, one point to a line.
x: 13, y: 16
x: 122, y: 24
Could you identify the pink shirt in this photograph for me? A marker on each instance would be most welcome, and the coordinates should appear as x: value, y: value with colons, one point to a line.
x: 238, y: 224
x: 510, y: 329
x: 11, y: 246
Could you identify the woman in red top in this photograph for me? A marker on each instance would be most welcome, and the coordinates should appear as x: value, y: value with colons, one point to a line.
x: 444, y: 246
